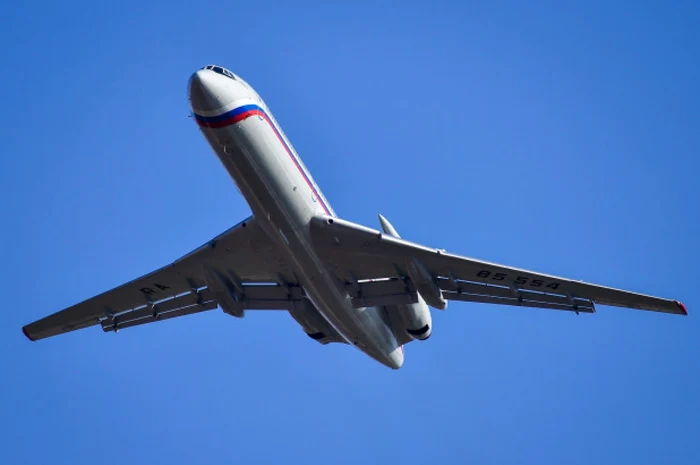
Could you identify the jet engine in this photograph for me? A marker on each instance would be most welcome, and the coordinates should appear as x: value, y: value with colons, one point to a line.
x: 313, y: 323
x: 416, y: 318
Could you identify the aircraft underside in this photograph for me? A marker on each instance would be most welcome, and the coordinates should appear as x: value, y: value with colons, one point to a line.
x: 342, y: 282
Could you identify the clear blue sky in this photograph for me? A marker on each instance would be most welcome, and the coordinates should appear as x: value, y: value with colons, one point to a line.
x: 559, y: 138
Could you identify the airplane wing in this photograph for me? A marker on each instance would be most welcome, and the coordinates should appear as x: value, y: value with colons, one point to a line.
x: 243, y: 256
x: 376, y: 267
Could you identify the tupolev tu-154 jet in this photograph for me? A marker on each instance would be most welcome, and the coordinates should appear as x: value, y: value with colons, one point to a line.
x: 341, y: 281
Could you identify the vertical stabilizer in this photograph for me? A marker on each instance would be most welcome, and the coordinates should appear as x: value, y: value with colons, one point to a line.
x: 387, y: 227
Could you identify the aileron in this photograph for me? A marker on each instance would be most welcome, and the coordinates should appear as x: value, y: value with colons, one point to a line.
x: 138, y: 318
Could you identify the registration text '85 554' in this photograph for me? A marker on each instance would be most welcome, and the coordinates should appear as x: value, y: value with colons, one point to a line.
x: 517, y: 280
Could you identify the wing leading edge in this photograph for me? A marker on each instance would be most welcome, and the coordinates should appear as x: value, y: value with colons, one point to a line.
x: 243, y: 254
x: 375, y: 268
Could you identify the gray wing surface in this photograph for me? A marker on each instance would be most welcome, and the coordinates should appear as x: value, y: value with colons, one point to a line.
x: 243, y: 251
x: 373, y: 266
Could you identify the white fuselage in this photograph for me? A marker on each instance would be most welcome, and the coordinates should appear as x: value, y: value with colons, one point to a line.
x: 283, y: 197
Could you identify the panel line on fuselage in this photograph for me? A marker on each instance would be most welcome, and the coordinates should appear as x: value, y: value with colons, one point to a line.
x: 243, y: 112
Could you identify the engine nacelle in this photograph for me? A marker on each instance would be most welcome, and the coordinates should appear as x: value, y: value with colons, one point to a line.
x: 313, y: 324
x: 416, y: 319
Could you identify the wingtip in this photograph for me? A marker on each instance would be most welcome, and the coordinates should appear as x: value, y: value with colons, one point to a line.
x: 681, y: 306
x: 24, y: 330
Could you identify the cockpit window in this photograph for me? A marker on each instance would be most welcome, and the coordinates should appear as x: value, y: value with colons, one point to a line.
x: 221, y: 70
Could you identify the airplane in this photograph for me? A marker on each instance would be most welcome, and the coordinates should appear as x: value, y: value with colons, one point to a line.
x: 342, y: 282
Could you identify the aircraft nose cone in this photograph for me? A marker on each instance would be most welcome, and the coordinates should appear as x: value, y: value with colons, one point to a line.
x: 203, y: 96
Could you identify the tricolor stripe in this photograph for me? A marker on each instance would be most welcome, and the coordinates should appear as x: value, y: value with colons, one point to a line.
x: 239, y: 114
x: 230, y: 117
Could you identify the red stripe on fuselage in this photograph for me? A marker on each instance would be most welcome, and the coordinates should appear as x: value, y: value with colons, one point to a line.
x: 233, y: 120
x: 249, y: 113
x: 298, y: 165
